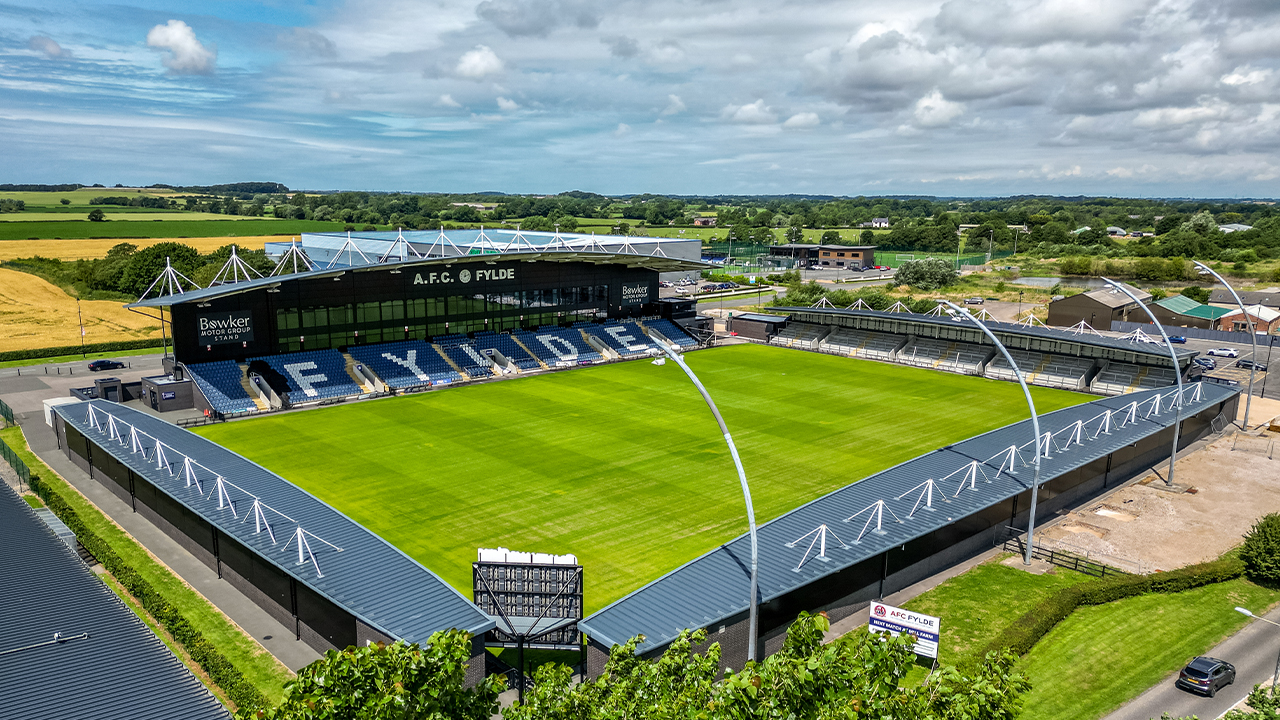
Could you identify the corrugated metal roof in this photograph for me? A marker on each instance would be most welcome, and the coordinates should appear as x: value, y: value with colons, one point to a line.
x: 1158, y: 353
x: 1184, y: 305
x: 370, y: 578
x: 121, y: 670
x: 715, y: 587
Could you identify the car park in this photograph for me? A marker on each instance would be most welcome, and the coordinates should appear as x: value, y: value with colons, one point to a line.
x: 1224, y: 352
x: 1177, y: 339
x: 1206, y: 675
x: 1248, y: 364
x: 97, y: 365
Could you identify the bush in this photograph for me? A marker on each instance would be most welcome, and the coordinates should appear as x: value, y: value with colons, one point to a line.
x: 1261, y: 550
x: 220, y: 670
x: 1199, y: 294
x: 113, y: 346
x: 926, y: 273
x: 1027, y: 630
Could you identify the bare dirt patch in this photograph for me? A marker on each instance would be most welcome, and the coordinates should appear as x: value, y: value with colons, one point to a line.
x: 1142, y: 528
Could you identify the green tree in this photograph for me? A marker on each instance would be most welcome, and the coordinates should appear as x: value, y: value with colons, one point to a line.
x: 794, y: 234
x: 1199, y: 294
x: 867, y: 237
x: 389, y: 682
x: 65, y: 201
x: 1202, y: 223
x: 1261, y: 550
x: 96, y: 215
x: 926, y: 273
x: 147, y: 264
x: 831, y: 237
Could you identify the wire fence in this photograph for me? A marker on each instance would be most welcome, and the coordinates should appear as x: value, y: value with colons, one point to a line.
x: 15, y: 462
x: 6, y: 412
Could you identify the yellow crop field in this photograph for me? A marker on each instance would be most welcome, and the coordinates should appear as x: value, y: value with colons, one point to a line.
x: 90, y: 249
x: 35, y: 313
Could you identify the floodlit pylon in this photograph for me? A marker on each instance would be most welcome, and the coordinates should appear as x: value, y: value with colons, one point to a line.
x: 819, y: 535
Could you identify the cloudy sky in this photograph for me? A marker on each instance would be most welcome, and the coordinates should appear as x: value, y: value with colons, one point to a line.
x: 964, y: 97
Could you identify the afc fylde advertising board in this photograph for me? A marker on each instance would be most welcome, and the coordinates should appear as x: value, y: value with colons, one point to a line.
x: 892, y: 620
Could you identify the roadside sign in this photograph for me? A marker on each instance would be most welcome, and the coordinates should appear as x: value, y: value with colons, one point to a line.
x: 894, y: 621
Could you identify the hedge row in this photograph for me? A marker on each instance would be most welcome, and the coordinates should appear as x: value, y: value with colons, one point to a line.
x: 113, y: 346
x: 1027, y: 630
x: 222, y: 672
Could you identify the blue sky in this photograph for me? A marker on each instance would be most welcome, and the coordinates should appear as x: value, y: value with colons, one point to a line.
x: 965, y: 97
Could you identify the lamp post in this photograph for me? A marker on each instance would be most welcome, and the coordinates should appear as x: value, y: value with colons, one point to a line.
x: 958, y: 312
x: 1177, y: 371
x: 1253, y: 336
x: 1275, y: 679
x: 746, y: 492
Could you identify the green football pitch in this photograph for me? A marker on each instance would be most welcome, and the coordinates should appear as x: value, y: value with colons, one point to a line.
x: 621, y: 465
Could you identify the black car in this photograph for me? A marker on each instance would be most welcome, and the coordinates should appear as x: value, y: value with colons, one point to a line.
x: 1206, y: 363
x: 1205, y: 675
x: 97, y: 365
x: 1248, y: 364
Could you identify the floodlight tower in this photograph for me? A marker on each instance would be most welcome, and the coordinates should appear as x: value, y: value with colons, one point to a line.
x: 1253, y: 335
x: 1177, y: 371
x: 960, y: 313
x: 746, y: 493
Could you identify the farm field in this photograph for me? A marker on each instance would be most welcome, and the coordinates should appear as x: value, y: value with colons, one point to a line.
x: 35, y: 313
x: 115, y: 215
x: 22, y: 230
x: 87, y: 249
x: 621, y: 465
x: 82, y: 196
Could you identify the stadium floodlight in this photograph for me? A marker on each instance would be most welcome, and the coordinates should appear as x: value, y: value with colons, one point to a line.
x: 1253, y: 335
x: 752, y: 620
x: 1177, y: 372
x: 960, y: 314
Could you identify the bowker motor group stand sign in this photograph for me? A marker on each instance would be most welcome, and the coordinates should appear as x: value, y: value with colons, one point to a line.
x: 892, y: 620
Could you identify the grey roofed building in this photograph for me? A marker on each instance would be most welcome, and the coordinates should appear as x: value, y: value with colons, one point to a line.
x: 1099, y: 308
x: 714, y: 587
x: 120, y: 670
x: 368, y: 578
x: 1267, y: 298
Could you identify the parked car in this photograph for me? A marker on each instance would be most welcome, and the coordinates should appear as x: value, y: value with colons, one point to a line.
x: 1224, y: 352
x: 1248, y: 364
x: 664, y: 284
x: 1178, y: 339
x: 973, y: 301
x: 97, y: 365
x: 1206, y: 363
x: 1205, y: 675
x: 882, y: 267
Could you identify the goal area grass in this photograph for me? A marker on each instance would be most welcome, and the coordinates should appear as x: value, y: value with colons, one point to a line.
x: 621, y: 464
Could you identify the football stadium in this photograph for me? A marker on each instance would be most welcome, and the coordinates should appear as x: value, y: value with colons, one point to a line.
x: 390, y: 412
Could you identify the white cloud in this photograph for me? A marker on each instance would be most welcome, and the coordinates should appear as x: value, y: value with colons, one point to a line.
x: 755, y: 113
x: 185, y: 54
x: 506, y: 105
x: 447, y: 101
x: 674, y: 105
x: 934, y: 110
x: 477, y: 63
x: 621, y: 130
x: 802, y: 120
x: 47, y: 45
x: 1246, y: 76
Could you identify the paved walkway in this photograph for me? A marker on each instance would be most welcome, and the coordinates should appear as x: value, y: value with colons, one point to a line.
x: 271, y: 634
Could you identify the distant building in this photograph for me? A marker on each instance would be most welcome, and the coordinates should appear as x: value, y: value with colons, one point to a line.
x: 1098, y: 307
x: 1266, y: 298
x: 828, y: 255
x: 1265, y: 320
x: 1182, y: 311
x: 704, y: 222
x: 879, y: 222
x: 1234, y: 227
x: 1114, y: 231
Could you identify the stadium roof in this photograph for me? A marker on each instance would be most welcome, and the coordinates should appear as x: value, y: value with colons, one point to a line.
x: 1158, y: 351
x: 458, y: 246
x: 368, y: 577
x: 715, y: 587
x: 120, y: 670
x: 1183, y: 305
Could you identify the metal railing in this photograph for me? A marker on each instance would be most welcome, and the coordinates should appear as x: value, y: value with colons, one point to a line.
x: 1063, y: 559
x: 6, y: 412
x: 15, y: 462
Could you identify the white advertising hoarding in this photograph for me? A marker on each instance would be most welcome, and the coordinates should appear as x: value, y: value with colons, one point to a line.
x: 924, y: 628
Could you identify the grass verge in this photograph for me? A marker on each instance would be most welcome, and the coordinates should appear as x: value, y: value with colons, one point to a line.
x: 87, y: 358
x: 259, y: 667
x: 977, y: 605
x: 1102, y: 656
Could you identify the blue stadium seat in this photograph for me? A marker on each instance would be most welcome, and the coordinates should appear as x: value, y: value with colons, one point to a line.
x: 464, y: 354
x: 671, y: 331
x: 309, y: 376
x: 507, y: 345
x: 625, y: 338
x: 220, y: 383
x: 554, y: 345
x: 405, y: 364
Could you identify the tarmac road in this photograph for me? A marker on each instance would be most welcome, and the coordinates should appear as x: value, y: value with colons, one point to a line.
x: 1253, y: 651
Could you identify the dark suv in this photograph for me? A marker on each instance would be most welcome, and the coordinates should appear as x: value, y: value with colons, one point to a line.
x: 1205, y: 675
